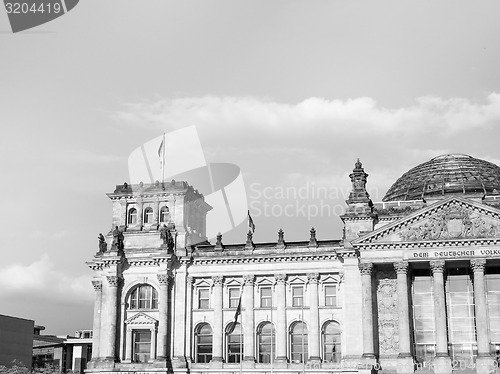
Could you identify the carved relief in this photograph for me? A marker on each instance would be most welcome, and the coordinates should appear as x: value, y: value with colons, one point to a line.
x: 365, y: 268
x: 97, y: 285
x: 280, y: 278
x: 387, y: 306
x: 217, y: 280
x: 249, y: 279
x: 313, y: 278
x: 453, y: 222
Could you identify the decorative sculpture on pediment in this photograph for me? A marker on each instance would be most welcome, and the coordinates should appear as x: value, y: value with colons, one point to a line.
x: 453, y: 222
x: 387, y: 306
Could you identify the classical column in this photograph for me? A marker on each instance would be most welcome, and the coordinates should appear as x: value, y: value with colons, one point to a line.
x: 442, y: 361
x: 365, y: 269
x: 108, y: 336
x: 281, y: 331
x: 97, y: 319
x: 128, y: 345
x: 481, y: 309
x: 163, y: 303
x: 313, y: 279
x: 248, y: 340
x: 179, y: 320
x: 218, y: 323
x: 405, y: 360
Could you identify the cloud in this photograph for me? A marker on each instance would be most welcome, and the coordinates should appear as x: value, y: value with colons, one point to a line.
x: 84, y: 156
x: 40, y: 281
x: 318, y: 137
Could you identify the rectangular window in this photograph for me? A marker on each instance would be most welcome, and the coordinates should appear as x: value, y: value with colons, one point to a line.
x: 142, y: 345
x: 423, y: 315
x: 203, y: 298
x: 234, y: 297
x: 330, y: 295
x: 298, y: 296
x: 266, y: 297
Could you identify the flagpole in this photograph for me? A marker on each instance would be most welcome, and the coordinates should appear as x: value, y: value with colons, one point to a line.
x: 163, y: 162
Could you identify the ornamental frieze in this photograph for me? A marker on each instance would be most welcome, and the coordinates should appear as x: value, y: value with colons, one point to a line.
x: 453, y: 222
x: 387, y: 307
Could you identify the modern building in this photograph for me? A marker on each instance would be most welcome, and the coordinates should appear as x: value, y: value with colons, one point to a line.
x: 413, y: 283
x: 64, y: 353
x: 16, y: 338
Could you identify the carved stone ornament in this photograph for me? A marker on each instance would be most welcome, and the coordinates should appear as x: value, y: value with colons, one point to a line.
x: 218, y: 280
x: 249, y: 280
x: 113, y: 280
x: 164, y: 279
x: 478, y: 265
x: 401, y: 267
x: 280, y: 278
x: 437, y: 266
x: 97, y: 285
x: 365, y: 268
x: 387, y: 307
x: 453, y: 222
x: 313, y: 278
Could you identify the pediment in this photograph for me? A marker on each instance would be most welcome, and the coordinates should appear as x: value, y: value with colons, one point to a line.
x: 141, y: 319
x: 453, y: 218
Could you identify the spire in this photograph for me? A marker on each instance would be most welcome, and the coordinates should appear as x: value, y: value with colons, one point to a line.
x: 281, y: 239
x: 312, y: 240
x: 218, y: 243
x: 358, y: 180
x: 249, y: 244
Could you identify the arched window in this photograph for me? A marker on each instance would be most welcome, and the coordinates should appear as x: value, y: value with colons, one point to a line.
x: 298, y: 342
x: 164, y: 214
x: 332, y: 351
x: 266, y: 343
x: 234, y: 344
x: 203, y: 343
x: 143, y: 297
x: 148, y: 215
x: 132, y: 216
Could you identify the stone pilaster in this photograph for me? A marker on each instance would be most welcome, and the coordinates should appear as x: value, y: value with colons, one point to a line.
x: 107, y: 346
x: 442, y: 360
x: 314, y: 353
x: 179, y: 322
x: 281, y: 331
x: 128, y: 344
x: 218, y: 337
x: 484, y: 360
x: 366, y: 269
x: 163, y: 303
x: 97, y: 319
x: 156, y: 212
x: 405, y: 359
x: 189, y: 326
x: 249, y: 354
x: 140, y: 213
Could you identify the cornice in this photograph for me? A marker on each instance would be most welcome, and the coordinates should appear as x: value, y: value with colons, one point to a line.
x: 428, y: 244
x: 255, y: 259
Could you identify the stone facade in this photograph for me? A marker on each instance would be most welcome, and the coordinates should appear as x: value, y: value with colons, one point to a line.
x: 385, y: 296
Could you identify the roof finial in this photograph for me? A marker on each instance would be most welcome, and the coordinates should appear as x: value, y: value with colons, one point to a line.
x: 358, y: 164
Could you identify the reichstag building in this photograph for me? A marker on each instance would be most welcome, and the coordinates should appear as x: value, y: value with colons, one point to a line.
x: 413, y: 284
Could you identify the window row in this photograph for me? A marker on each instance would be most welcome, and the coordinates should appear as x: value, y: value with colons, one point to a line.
x: 298, y: 336
x: 147, y: 216
x: 265, y: 300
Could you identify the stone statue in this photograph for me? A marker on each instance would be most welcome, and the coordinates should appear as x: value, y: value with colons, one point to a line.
x: 166, y: 236
x: 117, y: 239
x: 103, y: 246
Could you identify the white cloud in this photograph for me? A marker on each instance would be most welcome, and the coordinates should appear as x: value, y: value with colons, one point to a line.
x: 39, y: 280
x: 318, y: 137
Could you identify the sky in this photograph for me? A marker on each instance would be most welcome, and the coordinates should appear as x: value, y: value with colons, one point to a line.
x: 292, y: 92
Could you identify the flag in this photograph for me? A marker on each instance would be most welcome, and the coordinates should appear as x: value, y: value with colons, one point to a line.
x: 161, y: 151
x: 236, y: 314
x: 250, y: 223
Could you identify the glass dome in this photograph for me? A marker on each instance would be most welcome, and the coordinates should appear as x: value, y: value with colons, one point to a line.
x: 456, y: 174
